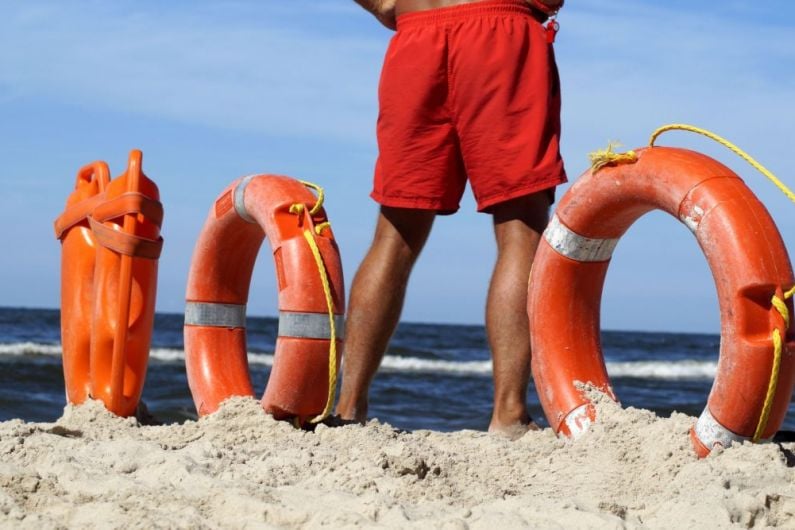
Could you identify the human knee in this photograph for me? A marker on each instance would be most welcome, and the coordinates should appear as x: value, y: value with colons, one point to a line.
x: 531, y: 208
x: 402, y: 231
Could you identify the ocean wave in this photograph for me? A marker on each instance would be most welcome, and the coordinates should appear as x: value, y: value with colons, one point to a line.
x: 30, y: 348
x: 663, y: 370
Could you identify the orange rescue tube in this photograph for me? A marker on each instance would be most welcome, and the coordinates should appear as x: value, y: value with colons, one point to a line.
x: 301, y: 383
x: 749, y: 263
x: 112, y: 276
x: 78, y: 250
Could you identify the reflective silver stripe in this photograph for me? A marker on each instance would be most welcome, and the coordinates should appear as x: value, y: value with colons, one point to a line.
x: 240, y: 199
x: 309, y: 325
x: 215, y: 315
x: 577, y: 247
x: 710, y: 432
x: 578, y: 421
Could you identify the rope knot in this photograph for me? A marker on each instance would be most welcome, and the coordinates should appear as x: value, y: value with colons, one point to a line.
x: 605, y: 157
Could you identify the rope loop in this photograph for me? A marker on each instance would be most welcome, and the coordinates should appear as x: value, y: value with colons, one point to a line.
x: 322, y: 226
x: 320, y: 196
x: 299, y: 208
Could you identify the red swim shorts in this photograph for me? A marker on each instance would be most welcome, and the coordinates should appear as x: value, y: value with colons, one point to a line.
x: 468, y: 91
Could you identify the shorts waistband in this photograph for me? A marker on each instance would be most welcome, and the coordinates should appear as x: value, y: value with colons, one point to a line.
x: 442, y: 15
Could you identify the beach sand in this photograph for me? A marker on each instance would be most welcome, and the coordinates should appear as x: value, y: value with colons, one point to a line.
x: 239, y: 468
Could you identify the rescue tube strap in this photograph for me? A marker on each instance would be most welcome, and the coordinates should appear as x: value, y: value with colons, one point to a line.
x: 97, y: 210
x: 574, y: 246
x: 710, y: 432
x: 130, y: 203
x: 76, y: 213
x: 215, y: 315
x: 308, y: 325
x: 126, y: 244
x: 240, y: 199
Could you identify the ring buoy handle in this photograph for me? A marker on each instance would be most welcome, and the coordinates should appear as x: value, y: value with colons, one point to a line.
x: 749, y: 263
x: 285, y: 212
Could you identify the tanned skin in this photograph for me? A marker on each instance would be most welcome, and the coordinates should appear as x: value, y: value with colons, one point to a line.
x: 383, y: 10
x: 379, y: 289
x: 386, y: 11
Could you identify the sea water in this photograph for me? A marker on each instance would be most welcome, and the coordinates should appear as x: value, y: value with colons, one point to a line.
x: 433, y: 376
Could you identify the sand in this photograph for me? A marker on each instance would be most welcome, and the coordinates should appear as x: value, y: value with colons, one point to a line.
x: 239, y: 468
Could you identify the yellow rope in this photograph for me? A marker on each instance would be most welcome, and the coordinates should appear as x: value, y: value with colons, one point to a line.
x: 332, y: 362
x: 298, y: 209
x: 605, y: 157
x: 742, y: 154
x: 322, y: 226
x: 780, y: 305
x: 320, y: 196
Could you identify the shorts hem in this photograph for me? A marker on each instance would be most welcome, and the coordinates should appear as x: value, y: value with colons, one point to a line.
x: 416, y: 203
x: 485, y: 204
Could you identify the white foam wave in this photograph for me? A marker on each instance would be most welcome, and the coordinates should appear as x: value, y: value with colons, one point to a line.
x: 663, y: 370
x: 29, y: 348
x: 432, y: 366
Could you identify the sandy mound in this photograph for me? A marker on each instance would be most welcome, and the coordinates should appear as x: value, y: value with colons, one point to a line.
x: 240, y: 468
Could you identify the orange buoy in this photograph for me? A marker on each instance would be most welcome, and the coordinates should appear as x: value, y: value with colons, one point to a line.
x: 110, y: 234
x: 749, y: 263
x: 311, y: 298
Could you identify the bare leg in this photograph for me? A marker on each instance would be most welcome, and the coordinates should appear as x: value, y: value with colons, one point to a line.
x: 518, y: 225
x: 376, y: 300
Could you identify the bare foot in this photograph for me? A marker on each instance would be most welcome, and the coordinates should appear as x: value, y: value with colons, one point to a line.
x: 351, y: 414
x: 337, y: 421
x: 513, y: 431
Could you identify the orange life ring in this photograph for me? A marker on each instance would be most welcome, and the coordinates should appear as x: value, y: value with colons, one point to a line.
x: 310, y: 309
x: 749, y: 263
x: 110, y: 236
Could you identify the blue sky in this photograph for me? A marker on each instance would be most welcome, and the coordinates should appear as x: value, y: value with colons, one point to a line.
x: 211, y: 91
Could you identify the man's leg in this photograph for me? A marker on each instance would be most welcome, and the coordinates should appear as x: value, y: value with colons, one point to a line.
x: 518, y: 225
x: 376, y: 301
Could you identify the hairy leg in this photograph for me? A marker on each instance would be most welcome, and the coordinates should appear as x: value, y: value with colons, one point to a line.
x: 376, y: 300
x: 518, y: 225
